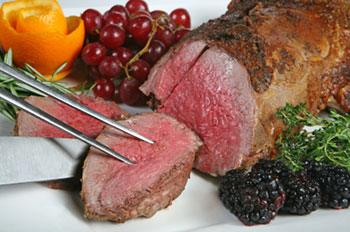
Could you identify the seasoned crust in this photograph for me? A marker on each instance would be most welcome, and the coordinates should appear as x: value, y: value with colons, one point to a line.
x: 238, y: 32
x: 234, y: 34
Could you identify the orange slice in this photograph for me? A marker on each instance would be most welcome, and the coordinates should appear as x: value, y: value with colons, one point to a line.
x: 40, y: 35
x: 41, y: 19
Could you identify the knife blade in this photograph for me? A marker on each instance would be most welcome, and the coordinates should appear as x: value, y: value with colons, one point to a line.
x: 32, y: 159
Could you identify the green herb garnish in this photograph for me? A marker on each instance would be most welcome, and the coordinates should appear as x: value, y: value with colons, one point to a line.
x: 22, y: 90
x: 329, y: 144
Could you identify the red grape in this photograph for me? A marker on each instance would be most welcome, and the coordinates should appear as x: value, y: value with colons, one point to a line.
x: 117, y: 19
x: 112, y: 36
x: 163, y: 18
x: 172, y: 24
x: 121, y: 10
x: 142, y: 41
x: 123, y: 55
x: 128, y: 91
x: 140, y: 70
x: 158, y: 13
x: 105, y: 15
x: 165, y: 35
x: 139, y: 13
x: 180, y: 33
x: 154, y: 52
x: 93, y: 21
x: 136, y: 5
x: 93, y: 53
x: 109, y: 67
x: 181, y: 17
x: 104, y: 88
x: 140, y: 27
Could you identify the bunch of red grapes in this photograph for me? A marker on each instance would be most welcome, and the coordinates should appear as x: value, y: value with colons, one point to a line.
x: 125, y: 42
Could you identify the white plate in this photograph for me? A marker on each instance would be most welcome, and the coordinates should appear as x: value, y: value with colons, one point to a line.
x: 34, y: 207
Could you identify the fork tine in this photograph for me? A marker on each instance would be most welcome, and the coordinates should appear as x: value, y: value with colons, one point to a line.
x: 21, y: 104
x: 18, y: 75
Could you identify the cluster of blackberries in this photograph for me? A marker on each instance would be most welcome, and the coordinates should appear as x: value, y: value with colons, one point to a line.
x: 334, y: 182
x: 255, y: 197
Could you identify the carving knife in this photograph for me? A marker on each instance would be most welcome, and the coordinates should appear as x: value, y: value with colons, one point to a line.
x: 33, y: 159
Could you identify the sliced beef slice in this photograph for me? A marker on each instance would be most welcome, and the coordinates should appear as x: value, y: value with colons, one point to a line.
x: 172, y: 67
x: 28, y: 125
x: 112, y: 190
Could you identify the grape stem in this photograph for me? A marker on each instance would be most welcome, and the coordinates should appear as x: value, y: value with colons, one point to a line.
x: 143, y: 50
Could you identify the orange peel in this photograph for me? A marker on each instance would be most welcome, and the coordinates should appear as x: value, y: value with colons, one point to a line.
x: 40, y: 35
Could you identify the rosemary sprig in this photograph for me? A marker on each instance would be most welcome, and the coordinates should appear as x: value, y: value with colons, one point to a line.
x: 85, y: 91
x: 22, y: 90
x: 329, y: 144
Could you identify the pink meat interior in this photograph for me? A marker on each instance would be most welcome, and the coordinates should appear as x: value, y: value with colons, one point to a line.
x: 214, y: 99
x: 109, y: 182
x: 31, y: 126
x: 171, y: 68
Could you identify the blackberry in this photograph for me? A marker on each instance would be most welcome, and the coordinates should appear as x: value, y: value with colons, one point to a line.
x: 302, y: 194
x: 334, y: 183
x: 313, y: 167
x: 228, y: 186
x: 254, y: 198
x: 273, y: 167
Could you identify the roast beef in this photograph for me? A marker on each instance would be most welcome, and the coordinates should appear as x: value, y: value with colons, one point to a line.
x: 27, y: 125
x: 227, y: 78
x: 112, y: 190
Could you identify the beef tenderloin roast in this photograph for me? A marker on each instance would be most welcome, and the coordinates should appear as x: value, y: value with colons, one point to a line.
x: 227, y: 78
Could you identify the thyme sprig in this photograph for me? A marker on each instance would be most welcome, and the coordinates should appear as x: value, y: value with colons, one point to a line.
x: 329, y: 144
x: 22, y: 90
